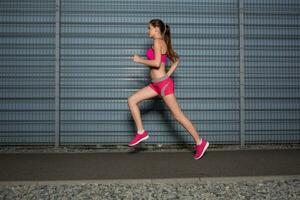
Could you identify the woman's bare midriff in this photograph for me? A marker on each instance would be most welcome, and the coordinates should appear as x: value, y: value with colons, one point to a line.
x: 157, y: 73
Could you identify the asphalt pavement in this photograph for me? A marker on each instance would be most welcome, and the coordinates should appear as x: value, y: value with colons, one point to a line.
x: 147, y: 165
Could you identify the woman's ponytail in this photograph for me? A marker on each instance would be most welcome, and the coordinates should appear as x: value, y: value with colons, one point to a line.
x: 167, y: 37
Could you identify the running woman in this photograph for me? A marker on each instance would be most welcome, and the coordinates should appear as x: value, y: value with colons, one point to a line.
x: 162, y: 84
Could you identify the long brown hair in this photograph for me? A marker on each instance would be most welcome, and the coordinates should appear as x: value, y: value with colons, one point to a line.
x: 166, y: 33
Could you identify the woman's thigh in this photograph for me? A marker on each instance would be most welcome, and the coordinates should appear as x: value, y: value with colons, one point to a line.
x: 142, y: 94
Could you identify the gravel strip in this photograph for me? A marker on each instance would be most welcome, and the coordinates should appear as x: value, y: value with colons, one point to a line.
x: 210, y: 188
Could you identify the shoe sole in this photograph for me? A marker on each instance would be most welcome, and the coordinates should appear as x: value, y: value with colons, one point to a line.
x: 145, y: 138
x: 206, y: 146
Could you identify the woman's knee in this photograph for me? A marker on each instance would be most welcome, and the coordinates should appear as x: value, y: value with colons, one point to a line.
x: 131, y: 100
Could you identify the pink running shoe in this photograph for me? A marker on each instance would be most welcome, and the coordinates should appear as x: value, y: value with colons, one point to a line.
x: 200, y: 149
x: 138, y: 138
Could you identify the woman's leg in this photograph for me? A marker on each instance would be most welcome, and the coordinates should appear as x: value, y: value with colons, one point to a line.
x: 133, y: 100
x: 171, y: 102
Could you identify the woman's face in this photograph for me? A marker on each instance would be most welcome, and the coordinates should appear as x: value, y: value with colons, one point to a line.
x: 151, y: 30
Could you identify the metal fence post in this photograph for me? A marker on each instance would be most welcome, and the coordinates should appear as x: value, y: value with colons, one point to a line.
x: 57, y: 41
x: 242, y: 73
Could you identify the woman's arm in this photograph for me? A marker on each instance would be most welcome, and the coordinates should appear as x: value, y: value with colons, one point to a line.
x: 153, y: 63
x: 173, y: 67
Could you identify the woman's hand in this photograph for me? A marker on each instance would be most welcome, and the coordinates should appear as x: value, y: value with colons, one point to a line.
x: 173, y: 67
x: 136, y: 58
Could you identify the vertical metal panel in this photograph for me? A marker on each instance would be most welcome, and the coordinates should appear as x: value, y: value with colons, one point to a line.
x: 27, y: 76
x: 97, y: 75
x: 272, y: 49
x: 57, y: 56
x: 242, y: 73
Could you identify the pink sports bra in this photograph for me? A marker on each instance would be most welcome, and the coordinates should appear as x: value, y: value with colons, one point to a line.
x: 150, y: 55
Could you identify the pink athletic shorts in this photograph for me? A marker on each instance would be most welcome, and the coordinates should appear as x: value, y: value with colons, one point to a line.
x: 163, y: 86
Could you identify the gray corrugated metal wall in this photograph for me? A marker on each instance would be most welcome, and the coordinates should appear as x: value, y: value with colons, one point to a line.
x: 97, y: 75
x: 272, y: 71
x: 27, y: 72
